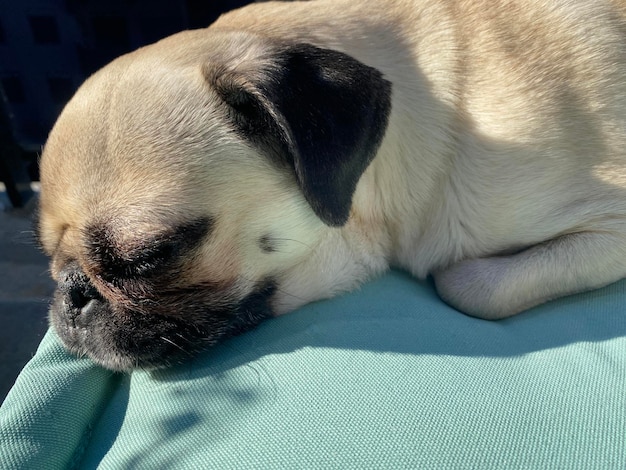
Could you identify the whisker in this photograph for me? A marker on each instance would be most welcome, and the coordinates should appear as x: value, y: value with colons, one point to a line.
x: 291, y: 240
x: 26, y: 237
x: 167, y: 340
x: 294, y: 296
x: 187, y: 340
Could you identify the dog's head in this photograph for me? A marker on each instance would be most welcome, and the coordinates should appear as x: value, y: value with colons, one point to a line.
x: 184, y: 183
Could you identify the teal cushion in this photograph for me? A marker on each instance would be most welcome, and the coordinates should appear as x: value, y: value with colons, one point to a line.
x: 386, y: 377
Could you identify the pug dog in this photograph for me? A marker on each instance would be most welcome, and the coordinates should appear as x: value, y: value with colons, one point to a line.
x: 292, y: 151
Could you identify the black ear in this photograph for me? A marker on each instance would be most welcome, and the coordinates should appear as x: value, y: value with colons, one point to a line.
x: 319, y: 111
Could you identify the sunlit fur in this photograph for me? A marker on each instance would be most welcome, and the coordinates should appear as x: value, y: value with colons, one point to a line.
x: 502, y: 171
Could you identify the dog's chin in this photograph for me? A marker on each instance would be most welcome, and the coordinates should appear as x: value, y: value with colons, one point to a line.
x: 136, y: 340
x: 123, y: 340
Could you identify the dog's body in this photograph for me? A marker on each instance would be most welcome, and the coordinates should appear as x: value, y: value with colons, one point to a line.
x: 292, y: 151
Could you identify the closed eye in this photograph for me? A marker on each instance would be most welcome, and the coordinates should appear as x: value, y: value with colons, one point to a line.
x: 148, y: 257
x: 149, y: 260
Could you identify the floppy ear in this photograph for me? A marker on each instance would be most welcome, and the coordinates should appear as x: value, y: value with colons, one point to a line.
x: 317, y: 110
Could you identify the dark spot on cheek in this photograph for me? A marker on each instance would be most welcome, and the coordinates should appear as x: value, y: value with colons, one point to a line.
x: 266, y: 243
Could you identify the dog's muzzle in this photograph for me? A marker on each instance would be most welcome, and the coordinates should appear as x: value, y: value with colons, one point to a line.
x: 150, y: 332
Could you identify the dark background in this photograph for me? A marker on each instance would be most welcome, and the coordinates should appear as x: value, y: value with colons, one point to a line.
x: 49, y: 47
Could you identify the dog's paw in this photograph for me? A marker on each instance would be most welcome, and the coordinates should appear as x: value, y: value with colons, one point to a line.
x: 477, y: 287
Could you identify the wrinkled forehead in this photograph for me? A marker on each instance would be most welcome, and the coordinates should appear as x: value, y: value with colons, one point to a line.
x: 146, y: 114
x: 134, y: 143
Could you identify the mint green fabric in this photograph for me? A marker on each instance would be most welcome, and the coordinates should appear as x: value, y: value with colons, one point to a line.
x: 386, y: 377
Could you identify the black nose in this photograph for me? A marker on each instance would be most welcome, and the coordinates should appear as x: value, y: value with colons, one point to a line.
x: 82, y: 297
x: 79, y: 294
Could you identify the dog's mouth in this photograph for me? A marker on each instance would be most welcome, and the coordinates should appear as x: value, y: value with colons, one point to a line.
x: 171, y: 329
